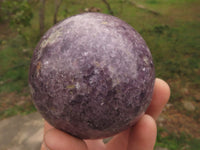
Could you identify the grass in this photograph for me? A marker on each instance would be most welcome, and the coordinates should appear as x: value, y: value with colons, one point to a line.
x: 14, y: 60
x: 173, y: 37
x: 16, y: 110
x: 174, y: 142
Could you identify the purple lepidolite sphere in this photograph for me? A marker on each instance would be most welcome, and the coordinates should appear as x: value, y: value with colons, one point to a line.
x: 92, y: 76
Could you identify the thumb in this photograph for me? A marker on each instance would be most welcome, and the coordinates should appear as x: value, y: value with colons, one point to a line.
x: 57, y: 140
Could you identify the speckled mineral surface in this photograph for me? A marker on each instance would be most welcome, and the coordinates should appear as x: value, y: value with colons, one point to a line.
x: 92, y: 76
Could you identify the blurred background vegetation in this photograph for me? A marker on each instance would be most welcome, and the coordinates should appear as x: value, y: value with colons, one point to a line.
x: 171, y: 29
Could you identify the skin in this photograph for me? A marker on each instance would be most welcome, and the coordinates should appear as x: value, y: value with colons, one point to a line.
x: 142, y: 136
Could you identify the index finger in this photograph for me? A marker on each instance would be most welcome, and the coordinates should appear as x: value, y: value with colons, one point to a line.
x: 161, y: 94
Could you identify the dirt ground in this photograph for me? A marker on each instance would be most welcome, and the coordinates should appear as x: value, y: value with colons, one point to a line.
x: 177, y: 122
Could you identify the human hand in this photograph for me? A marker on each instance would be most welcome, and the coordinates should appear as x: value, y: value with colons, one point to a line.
x: 142, y: 136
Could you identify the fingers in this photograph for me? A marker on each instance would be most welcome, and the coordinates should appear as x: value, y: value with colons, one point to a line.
x: 160, y: 97
x: 141, y: 137
x: 57, y: 140
x: 95, y: 144
x: 119, y: 141
x: 47, y: 126
x: 143, y: 134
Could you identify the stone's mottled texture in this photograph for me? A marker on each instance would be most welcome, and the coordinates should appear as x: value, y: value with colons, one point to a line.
x: 92, y: 76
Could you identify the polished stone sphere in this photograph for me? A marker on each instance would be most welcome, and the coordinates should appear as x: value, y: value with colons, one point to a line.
x: 92, y: 76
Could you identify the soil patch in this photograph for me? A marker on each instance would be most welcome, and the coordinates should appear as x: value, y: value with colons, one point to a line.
x: 178, y: 123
